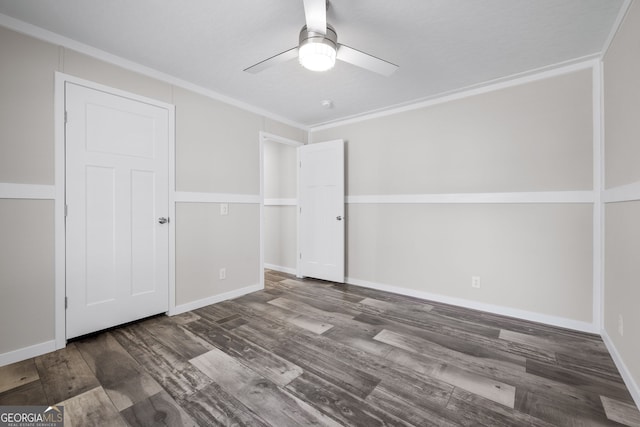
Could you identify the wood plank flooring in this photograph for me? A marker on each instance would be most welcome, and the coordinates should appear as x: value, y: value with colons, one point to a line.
x: 307, y: 352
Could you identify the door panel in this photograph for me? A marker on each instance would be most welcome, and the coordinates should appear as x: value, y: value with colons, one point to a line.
x: 143, y: 245
x: 100, y: 272
x: 116, y: 189
x: 128, y: 133
x: 322, y: 210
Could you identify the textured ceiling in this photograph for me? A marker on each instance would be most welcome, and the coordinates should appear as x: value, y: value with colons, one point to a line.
x: 440, y: 45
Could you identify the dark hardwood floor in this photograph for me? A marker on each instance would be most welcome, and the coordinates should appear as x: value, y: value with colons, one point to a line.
x: 316, y: 353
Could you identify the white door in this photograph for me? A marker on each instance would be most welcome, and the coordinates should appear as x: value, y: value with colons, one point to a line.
x: 116, y: 190
x: 322, y: 210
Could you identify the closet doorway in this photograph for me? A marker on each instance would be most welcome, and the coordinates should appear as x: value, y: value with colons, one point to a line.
x: 279, y: 157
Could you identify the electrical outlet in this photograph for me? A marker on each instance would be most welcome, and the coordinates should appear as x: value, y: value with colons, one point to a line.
x: 223, y: 273
x: 620, y: 325
x: 224, y: 208
x: 475, y: 282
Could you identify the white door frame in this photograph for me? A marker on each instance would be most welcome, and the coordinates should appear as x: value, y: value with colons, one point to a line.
x: 60, y: 186
x: 264, y: 137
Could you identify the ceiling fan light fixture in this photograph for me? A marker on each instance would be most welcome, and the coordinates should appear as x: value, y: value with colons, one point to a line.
x: 317, y: 52
x: 317, y: 56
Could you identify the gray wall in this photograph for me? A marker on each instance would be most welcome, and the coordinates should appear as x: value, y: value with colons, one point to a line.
x: 622, y: 219
x: 217, y: 147
x: 26, y: 122
x: 26, y: 273
x: 280, y: 238
x: 207, y: 241
x: 26, y: 156
x: 530, y: 257
x: 217, y: 151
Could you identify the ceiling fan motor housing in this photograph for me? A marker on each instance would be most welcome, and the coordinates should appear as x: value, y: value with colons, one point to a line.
x: 331, y: 38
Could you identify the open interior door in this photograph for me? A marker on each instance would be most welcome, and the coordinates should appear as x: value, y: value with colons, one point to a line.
x: 321, y: 210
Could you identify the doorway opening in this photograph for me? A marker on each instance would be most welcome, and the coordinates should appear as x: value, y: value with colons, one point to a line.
x: 279, y: 203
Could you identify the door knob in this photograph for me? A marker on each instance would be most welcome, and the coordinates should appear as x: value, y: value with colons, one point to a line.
x: 163, y: 220
x: 339, y: 218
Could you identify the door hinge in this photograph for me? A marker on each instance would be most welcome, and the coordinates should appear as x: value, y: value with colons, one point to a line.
x: 300, y: 255
x: 65, y: 117
x: 66, y: 210
x: 300, y: 163
x: 66, y: 302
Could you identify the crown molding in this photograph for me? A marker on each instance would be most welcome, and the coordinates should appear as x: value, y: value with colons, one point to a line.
x: 583, y: 63
x: 68, y: 43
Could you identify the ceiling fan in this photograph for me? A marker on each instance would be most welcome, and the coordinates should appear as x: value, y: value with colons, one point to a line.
x: 319, y: 48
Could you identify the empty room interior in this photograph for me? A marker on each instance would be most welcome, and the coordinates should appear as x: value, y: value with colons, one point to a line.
x: 302, y: 212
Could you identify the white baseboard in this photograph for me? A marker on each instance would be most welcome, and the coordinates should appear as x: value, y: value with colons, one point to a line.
x: 490, y: 308
x: 629, y: 381
x: 280, y: 268
x: 27, y: 352
x: 194, y: 305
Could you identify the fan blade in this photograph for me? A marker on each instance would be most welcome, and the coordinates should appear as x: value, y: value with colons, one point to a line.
x: 315, y: 13
x: 366, y: 61
x: 285, y: 56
